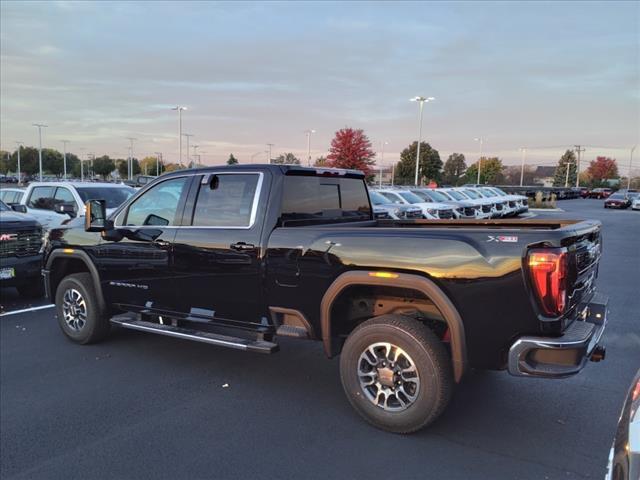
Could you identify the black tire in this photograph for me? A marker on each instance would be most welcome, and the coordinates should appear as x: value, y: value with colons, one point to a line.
x: 431, y: 361
x: 96, y: 323
x: 33, y: 289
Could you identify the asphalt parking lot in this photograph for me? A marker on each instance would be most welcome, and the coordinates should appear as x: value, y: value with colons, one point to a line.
x: 145, y: 406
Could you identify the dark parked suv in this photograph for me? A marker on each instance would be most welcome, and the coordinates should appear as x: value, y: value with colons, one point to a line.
x: 239, y: 256
x: 20, y: 256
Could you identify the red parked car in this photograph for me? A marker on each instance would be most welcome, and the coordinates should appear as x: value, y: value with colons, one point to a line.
x: 600, y: 193
x: 617, y: 200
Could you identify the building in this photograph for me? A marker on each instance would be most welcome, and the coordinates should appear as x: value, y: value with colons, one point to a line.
x: 387, y: 174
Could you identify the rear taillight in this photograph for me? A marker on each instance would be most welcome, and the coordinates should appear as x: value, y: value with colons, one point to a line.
x: 548, y: 270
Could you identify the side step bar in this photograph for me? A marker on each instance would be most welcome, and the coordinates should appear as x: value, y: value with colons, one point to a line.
x: 259, y: 346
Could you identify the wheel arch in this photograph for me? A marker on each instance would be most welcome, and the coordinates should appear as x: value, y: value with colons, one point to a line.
x: 64, y: 262
x: 417, y: 283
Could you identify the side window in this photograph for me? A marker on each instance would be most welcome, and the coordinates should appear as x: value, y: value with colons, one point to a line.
x: 63, y: 195
x: 42, y: 198
x: 227, y: 200
x: 159, y: 205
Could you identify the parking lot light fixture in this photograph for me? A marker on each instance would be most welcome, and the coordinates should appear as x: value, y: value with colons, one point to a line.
x: 309, y: 132
x: 20, y: 144
x: 64, y: 158
x: 158, y: 157
x: 179, y: 109
x: 270, y: 145
x: 382, y: 144
x: 130, y: 164
x: 187, y: 136
x: 524, y: 159
x: 40, y: 126
x: 421, y: 101
x: 481, y: 140
x: 629, y: 174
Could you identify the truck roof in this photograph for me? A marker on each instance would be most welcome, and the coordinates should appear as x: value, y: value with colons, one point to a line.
x: 77, y: 184
x: 276, y: 169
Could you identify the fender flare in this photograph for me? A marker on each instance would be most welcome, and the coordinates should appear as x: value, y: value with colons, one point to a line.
x: 403, y: 280
x: 82, y: 256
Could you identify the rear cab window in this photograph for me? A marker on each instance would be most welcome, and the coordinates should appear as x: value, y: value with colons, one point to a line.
x: 313, y: 200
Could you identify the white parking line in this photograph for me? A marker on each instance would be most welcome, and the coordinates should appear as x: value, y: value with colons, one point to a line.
x: 32, y: 309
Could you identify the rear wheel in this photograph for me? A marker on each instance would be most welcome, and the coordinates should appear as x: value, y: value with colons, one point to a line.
x: 79, y: 314
x: 396, y: 373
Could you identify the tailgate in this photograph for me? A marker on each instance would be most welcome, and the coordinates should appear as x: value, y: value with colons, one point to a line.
x: 584, y: 250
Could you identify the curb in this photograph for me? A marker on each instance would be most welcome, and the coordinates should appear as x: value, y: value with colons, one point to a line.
x: 546, y: 210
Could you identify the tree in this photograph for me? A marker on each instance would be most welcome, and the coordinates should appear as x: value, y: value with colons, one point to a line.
x: 123, y: 169
x: 429, y: 165
x: 171, y: 167
x: 5, y: 160
x: 52, y: 162
x: 320, y: 162
x: 453, y: 169
x: 567, y: 160
x: 490, y: 171
x: 28, y: 161
x: 601, y: 169
x: 286, y: 159
x: 148, y: 165
x: 104, y: 166
x: 351, y: 148
x: 232, y: 160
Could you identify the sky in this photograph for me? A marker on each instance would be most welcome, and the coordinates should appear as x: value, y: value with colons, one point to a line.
x: 519, y: 74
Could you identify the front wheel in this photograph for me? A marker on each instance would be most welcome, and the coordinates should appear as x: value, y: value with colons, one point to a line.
x: 79, y: 314
x: 396, y: 373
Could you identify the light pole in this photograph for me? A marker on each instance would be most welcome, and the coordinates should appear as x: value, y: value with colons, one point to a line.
x: 628, y: 175
x: 481, y: 140
x: 158, y: 157
x: 566, y: 179
x: 64, y: 157
x: 179, y: 109
x: 382, y: 144
x: 524, y: 158
x: 579, y: 150
x: 421, y: 101
x: 19, y: 147
x: 255, y: 155
x: 309, y: 132
x: 195, y: 154
x: 188, y: 135
x: 40, y: 126
x: 130, y: 164
x: 270, y: 145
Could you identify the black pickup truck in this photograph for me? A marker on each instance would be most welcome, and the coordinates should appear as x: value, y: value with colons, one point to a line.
x: 20, y: 255
x: 238, y: 256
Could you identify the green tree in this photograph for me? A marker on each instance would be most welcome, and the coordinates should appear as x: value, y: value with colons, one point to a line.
x: 232, y: 160
x: 454, y: 167
x: 490, y: 171
x: 286, y: 159
x: 28, y: 161
x: 148, y: 165
x: 104, y: 166
x: 429, y: 165
x: 52, y: 161
x: 567, y: 160
x: 320, y: 162
x: 5, y: 160
x: 123, y: 169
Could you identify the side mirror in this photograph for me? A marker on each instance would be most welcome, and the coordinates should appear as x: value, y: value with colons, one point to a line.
x: 95, y: 219
x: 17, y: 207
x: 66, y: 209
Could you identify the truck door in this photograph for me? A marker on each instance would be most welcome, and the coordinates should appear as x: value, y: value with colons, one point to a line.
x: 137, y: 271
x: 217, y: 253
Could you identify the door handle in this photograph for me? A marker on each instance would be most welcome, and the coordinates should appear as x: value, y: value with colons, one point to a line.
x: 242, y: 246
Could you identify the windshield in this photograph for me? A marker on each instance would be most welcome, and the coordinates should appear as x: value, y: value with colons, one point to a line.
x: 3, y: 207
x: 617, y: 196
x: 393, y: 198
x: 113, y: 196
x: 455, y: 195
x: 502, y: 193
x: 411, y: 197
x: 437, y: 196
x: 472, y: 194
x: 488, y: 192
x: 377, y: 199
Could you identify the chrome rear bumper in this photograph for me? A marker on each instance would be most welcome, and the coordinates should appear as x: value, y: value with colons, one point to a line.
x: 558, y: 357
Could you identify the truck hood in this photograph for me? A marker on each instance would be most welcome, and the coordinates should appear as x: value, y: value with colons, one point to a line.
x: 11, y: 220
